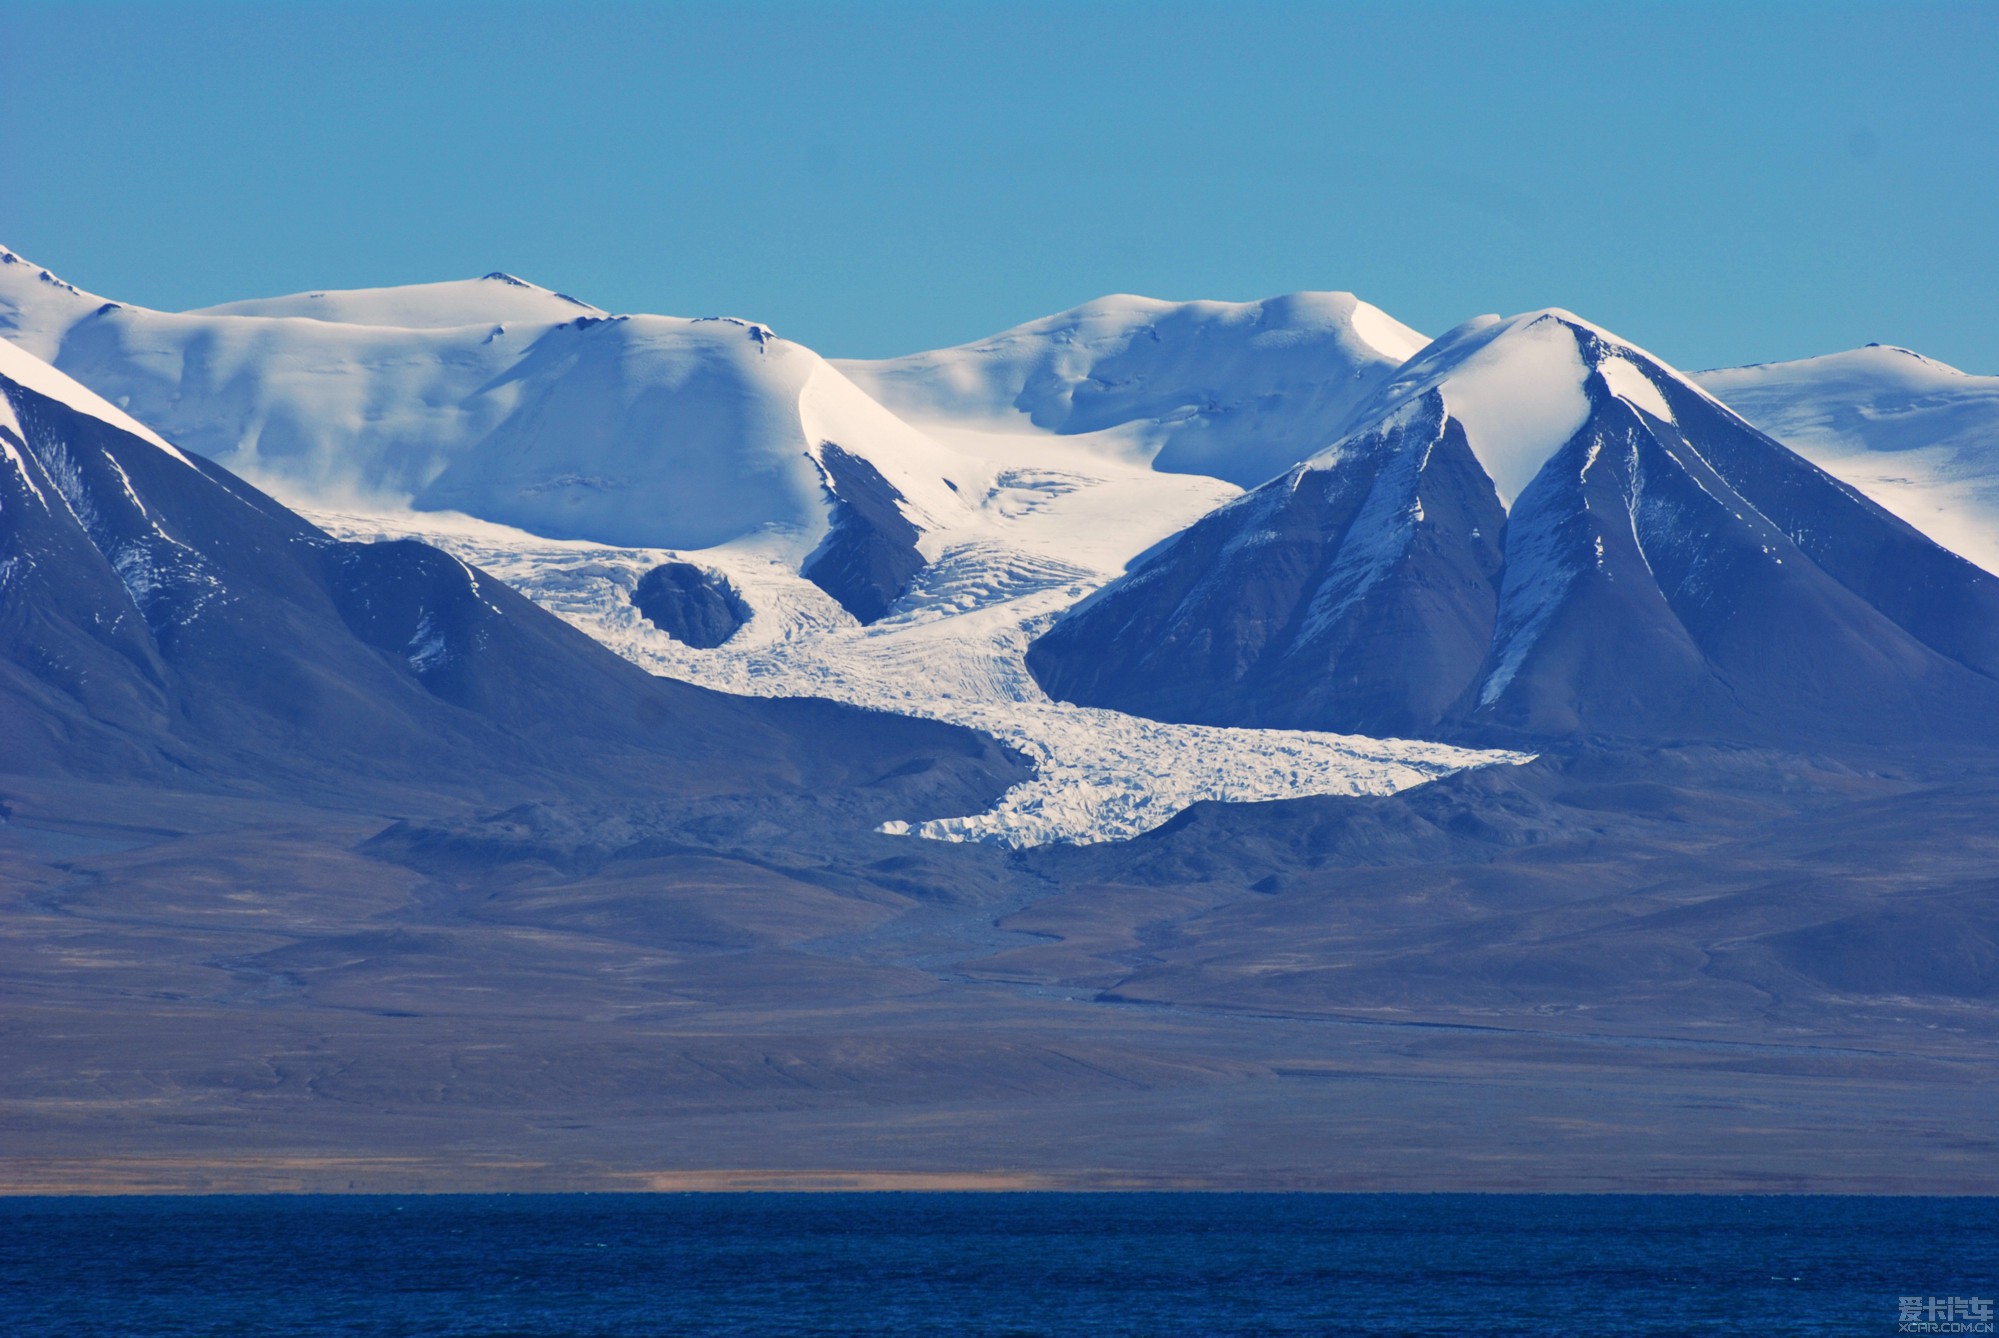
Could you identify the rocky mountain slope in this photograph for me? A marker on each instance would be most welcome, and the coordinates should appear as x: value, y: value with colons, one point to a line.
x: 1538, y: 530
x: 164, y: 622
x: 1916, y: 435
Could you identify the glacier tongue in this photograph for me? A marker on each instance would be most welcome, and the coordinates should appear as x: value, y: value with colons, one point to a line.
x: 953, y: 649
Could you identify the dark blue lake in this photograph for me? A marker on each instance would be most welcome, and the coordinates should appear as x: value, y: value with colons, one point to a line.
x: 1056, y: 1264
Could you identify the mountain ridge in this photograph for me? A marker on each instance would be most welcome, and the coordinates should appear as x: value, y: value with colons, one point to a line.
x: 1917, y: 435
x: 1235, y: 390
x: 165, y: 623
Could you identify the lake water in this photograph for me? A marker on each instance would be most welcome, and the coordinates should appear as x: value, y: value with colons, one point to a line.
x: 1027, y: 1264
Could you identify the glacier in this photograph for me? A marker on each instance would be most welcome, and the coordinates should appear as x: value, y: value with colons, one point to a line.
x: 571, y: 451
x: 953, y: 650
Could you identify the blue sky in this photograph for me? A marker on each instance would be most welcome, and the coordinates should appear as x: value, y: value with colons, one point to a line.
x: 1719, y: 183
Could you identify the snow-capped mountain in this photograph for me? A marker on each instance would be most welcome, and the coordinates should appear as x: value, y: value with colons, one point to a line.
x: 1235, y: 390
x: 421, y: 306
x: 523, y: 407
x: 1916, y: 435
x: 908, y: 576
x: 1527, y: 528
x: 1537, y: 527
x: 513, y: 404
x: 161, y: 621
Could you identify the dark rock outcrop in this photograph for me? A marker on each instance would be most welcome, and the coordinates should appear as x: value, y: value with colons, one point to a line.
x: 694, y: 606
x: 870, y: 554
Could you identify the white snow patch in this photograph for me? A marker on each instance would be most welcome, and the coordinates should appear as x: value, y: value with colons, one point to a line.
x: 428, y: 647
x: 832, y: 408
x: 1519, y: 400
x: 11, y: 423
x: 19, y: 461
x: 1536, y: 582
x: 1377, y: 539
x: 36, y: 308
x: 1384, y: 334
x: 1631, y: 385
x: 131, y: 493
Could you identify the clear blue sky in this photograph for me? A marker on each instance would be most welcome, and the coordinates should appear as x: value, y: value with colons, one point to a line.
x: 1721, y: 183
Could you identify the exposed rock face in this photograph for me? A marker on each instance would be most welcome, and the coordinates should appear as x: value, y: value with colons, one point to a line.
x: 1662, y: 570
x: 870, y: 554
x: 1360, y: 598
x: 692, y: 605
x: 1916, y: 435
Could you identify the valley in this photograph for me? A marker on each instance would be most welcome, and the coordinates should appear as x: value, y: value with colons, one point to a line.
x: 1214, y: 745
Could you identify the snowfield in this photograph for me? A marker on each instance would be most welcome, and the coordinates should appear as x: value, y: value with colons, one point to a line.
x: 1916, y: 435
x: 1234, y: 390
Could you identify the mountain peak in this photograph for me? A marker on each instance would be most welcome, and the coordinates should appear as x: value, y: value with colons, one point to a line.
x: 495, y: 298
x: 1518, y: 386
x: 1537, y: 526
x: 1235, y: 390
x: 43, y: 274
x: 1921, y: 358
